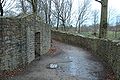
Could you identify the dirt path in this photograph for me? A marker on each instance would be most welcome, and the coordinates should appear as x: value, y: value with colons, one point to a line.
x: 73, y: 64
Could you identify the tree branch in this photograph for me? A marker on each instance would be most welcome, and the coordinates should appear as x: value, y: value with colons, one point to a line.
x: 2, y: 1
x: 99, y: 1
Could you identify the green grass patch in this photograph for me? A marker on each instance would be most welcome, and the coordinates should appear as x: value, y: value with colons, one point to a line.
x: 110, y: 35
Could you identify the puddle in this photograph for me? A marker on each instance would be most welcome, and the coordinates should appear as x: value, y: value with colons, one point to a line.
x: 52, y: 66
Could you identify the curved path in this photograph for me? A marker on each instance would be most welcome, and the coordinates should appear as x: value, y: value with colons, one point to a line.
x: 73, y: 64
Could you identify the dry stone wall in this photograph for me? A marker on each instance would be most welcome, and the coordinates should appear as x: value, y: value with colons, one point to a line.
x: 106, y: 49
x: 45, y: 36
x: 13, y: 44
x: 17, y: 41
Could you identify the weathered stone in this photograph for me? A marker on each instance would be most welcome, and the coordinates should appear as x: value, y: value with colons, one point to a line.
x: 17, y: 36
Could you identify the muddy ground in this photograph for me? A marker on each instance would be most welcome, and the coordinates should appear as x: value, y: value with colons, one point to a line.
x: 73, y: 63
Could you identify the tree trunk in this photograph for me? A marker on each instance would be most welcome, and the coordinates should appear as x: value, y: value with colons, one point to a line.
x: 46, y: 17
x: 1, y: 9
x: 79, y: 28
x: 103, y: 21
x: 64, y: 28
x: 57, y: 22
x: 34, y: 6
x: 49, y: 12
x: 24, y: 10
x: 116, y: 32
x: 46, y: 12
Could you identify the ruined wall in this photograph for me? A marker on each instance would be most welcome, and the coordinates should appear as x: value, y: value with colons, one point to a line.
x: 13, y: 44
x: 106, y: 49
x: 17, y: 41
x: 45, y: 36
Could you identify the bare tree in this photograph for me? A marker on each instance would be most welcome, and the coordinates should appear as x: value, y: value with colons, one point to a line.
x: 53, y: 20
x: 7, y: 5
x: 62, y: 12
x: 65, y: 13
x: 111, y: 15
x: 34, y: 5
x: 95, y: 19
x: 83, y: 12
x: 10, y: 13
x: 49, y: 11
x: 42, y: 8
x: 23, y: 6
x: 45, y: 9
x: 57, y: 10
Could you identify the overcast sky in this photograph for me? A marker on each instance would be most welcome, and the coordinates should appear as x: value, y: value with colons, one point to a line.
x: 112, y: 4
x: 95, y: 5
x: 115, y: 4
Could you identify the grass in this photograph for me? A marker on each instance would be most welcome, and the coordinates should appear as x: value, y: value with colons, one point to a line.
x: 110, y: 35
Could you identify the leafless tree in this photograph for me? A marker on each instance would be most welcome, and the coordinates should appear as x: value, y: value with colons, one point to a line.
x: 62, y: 11
x: 53, y: 20
x: 34, y: 4
x: 83, y: 12
x: 95, y: 19
x: 49, y: 11
x: 56, y: 12
x: 40, y: 8
x: 65, y: 12
x: 111, y: 15
x: 23, y: 6
x: 10, y: 13
x: 5, y: 5
x: 44, y: 8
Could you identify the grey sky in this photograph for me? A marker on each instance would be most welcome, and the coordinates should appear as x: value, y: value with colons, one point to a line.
x: 113, y: 4
x: 95, y: 5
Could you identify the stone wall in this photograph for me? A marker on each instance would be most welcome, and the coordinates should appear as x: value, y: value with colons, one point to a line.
x: 106, y: 49
x: 37, y: 25
x: 17, y: 41
x: 13, y: 44
x: 45, y: 36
